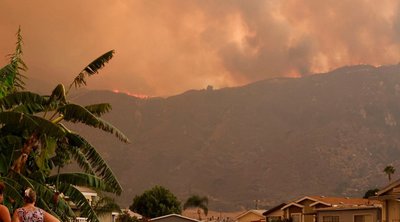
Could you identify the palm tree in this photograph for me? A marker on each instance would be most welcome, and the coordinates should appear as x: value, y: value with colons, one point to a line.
x: 389, y: 170
x: 195, y: 201
x: 34, y: 141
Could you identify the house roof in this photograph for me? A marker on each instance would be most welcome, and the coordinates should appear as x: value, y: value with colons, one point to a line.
x: 344, y: 201
x: 277, y: 207
x: 174, y: 215
x: 388, y: 187
x: 292, y: 204
x: 348, y: 208
x: 333, y: 201
x: 257, y: 212
x: 132, y: 214
x: 306, y: 198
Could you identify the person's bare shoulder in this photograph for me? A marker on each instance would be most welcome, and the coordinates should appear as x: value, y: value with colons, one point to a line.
x: 4, y: 214
x: 49, y: 218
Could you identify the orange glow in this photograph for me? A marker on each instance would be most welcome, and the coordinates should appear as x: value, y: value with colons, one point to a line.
x: 293, y: 74
x: 141, y: 96
x: 224, y: 43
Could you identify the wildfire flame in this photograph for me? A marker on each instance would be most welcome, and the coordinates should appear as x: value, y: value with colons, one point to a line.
x: 141, y: 96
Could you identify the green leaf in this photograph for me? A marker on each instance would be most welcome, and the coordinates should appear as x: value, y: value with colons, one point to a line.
x: 81, y: 159
x: 80, y: 179
x: 80, y: 201
x: 23, y: 102
x: 58, y: 95
x: 8, y: 146
x: 31, y: 123
x: 76, y: 113
x: 92, y: 69
x: 96, y: 161
x: 99, y: 109
x: 46, y: 152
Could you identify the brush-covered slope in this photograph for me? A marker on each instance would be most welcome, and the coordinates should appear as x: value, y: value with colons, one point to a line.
x: 274, y: 140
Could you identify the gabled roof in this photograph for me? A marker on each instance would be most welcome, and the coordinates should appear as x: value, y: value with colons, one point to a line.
x: 344, y: 201
x: 174, y: 215
x: 348, y: 208
x: 332, y: 201
x: 257, y: 212
x: 292, y: 204
x: 306, y: 198
x: 388, y: 187
x: 277, y: 207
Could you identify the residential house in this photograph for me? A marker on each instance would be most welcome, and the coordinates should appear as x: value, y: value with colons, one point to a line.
x: 306, y: 209
x: 251, y: 216
x: 390, y: 197
x: 274, y: 214
x: 173, y: 218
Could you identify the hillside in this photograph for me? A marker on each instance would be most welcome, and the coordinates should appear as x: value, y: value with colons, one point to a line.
x: 273, y: 140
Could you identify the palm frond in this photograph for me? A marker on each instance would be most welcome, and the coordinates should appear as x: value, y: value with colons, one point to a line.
x: 99, y: 109
x: 96, y: 161
x: 31, y: 123
x: 76, y: 113
x: 91, y: 69
x: 197, y: 201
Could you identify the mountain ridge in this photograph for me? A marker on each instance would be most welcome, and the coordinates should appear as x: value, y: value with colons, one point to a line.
x: 272, y: 140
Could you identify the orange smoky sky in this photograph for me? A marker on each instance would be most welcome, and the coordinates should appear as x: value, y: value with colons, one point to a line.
x: 167, y: 47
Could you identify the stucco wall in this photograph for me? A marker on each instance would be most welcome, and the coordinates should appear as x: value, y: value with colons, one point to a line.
x: 348, y: 215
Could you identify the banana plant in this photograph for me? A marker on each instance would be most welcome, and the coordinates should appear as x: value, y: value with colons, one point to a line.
x: 34, y: 141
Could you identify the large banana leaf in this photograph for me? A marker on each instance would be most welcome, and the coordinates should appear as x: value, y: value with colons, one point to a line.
x: 12, y: 191
x: 80, y: 179
x: 58, y: 95
x: 92, y: 69
x: 8, y: 146
x: 99, y: 109
x: 80, y: 201
x: 96, y: 161
x: 31, y: 123
x: 76, y: 113
x: 81, y: 159
x: 26, y: 102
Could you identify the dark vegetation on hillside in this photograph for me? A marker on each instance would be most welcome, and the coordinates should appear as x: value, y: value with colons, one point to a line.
x: 274, y: 140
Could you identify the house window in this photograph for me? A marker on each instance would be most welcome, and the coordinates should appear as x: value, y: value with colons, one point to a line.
x: 330, y: 219
x: 363, y: 218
